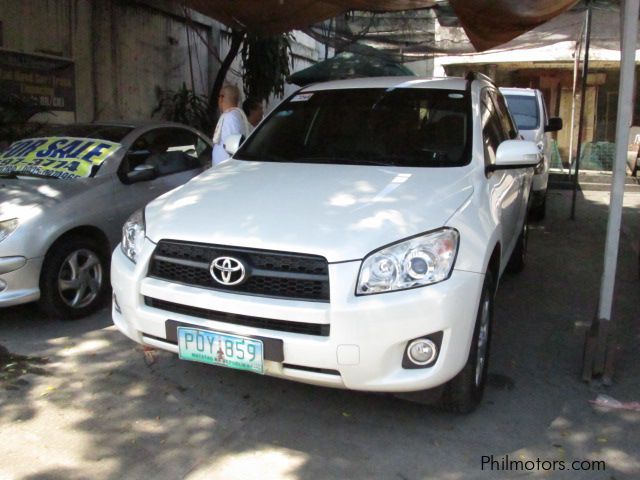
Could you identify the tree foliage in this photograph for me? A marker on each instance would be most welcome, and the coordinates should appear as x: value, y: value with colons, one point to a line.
x: 237, y: 37
x: 184, y: 106
x: 265, y: 61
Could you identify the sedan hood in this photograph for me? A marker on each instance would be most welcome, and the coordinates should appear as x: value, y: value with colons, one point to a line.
x: 25, y: 197
x: 342, y: 212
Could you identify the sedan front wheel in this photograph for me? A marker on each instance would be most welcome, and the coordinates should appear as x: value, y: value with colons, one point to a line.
x: 74, y: 278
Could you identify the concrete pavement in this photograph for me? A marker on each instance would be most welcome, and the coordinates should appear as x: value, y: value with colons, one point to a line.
x: 83, y: 401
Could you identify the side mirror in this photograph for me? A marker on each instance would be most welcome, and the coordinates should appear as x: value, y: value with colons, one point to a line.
x: 232, y: 144
x: 555, y: 124
x: 514, y: 154
x: 142, y: 173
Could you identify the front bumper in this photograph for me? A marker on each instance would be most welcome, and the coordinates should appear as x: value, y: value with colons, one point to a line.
x: 541, y: 180
x: 19, y: 280
x: 367, y: 339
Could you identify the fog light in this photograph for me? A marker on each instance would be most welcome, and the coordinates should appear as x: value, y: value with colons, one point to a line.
x: 3, y: 285
x: 422, y: 351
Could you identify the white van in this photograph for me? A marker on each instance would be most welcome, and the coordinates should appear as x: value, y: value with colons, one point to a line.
x: 530, y: 114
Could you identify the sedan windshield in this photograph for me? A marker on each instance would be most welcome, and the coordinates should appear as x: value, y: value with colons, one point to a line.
x: 113, y: 133
x: 410, y: 127
x: 56, y: 157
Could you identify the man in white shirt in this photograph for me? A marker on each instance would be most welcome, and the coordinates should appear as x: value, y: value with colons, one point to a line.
x: 232, y: 121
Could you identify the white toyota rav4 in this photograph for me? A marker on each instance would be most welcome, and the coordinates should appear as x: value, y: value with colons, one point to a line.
x: 355, y: 240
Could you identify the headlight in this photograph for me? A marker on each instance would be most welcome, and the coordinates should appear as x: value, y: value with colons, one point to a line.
x: 7, y: 227
x: 411, y: 263
x: 133, y: 235
x: 540, y: 167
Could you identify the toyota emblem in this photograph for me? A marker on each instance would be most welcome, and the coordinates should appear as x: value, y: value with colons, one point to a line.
x: 227, y: 271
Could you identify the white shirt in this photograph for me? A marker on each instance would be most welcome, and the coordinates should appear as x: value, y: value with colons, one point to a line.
x: 231, y: 122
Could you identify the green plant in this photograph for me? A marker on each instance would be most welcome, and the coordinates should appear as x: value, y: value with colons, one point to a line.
x: 184, y: 106
x: 265, y: 61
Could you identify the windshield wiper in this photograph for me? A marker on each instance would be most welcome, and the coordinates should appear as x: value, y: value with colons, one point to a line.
x: 342, y: 161
x: 426, y: 158
x: 263, y: 158
x: 24, y: 174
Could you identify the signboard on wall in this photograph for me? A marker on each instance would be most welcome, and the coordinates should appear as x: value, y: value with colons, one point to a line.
x: 43, y: 81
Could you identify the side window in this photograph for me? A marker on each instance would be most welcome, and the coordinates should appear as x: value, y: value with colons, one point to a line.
x: 508, y: 124
x: 492, y: 129
x: 203, y: 150
x: 169, y: 150
x: 545, y: 115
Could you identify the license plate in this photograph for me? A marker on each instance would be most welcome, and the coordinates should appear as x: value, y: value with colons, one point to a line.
x: 221, y: 349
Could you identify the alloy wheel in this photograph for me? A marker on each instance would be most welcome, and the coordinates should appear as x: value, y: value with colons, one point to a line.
x: 80, y: 278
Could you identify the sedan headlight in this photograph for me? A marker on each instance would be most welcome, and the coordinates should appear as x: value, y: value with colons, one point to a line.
x: 540, y: 167
x: 7, y: 227
x: 133, y: 235
x: 416, y: 262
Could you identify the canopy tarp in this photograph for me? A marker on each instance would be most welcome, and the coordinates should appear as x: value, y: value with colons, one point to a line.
x: 488, y: 23
x: 349, y: 65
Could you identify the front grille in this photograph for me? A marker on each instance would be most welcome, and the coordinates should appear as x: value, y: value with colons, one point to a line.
x: 270, y: 274
x: 235, y: 319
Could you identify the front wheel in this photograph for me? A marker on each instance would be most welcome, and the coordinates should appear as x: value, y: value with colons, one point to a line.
x: 74, y: 278
x: 463, y: 393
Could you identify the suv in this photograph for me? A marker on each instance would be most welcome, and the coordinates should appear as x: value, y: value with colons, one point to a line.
x: 355, y: 240
x: 530, y: 114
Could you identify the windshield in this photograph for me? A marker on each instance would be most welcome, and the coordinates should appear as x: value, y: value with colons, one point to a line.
x: 56, y: 157
x: 524, y: 110
x: 396, y: 127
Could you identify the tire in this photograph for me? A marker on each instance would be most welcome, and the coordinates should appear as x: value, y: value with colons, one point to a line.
x: 518, y: 257
x: 463, y: 393
x: 74, y: 279
x: 538, y: 212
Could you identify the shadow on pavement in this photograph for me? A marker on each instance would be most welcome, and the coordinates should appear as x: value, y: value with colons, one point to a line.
x: 111, y: 412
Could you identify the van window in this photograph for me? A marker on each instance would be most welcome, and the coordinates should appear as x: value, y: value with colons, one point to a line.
x: 524, y: 110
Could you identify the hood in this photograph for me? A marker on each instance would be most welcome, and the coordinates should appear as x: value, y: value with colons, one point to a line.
x: 19, y: 197
x: 341, y: 212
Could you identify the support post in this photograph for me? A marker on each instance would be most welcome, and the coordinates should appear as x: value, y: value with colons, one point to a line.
x: 583, y: 94
x: 577, y: 52
x: 600, y: 345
